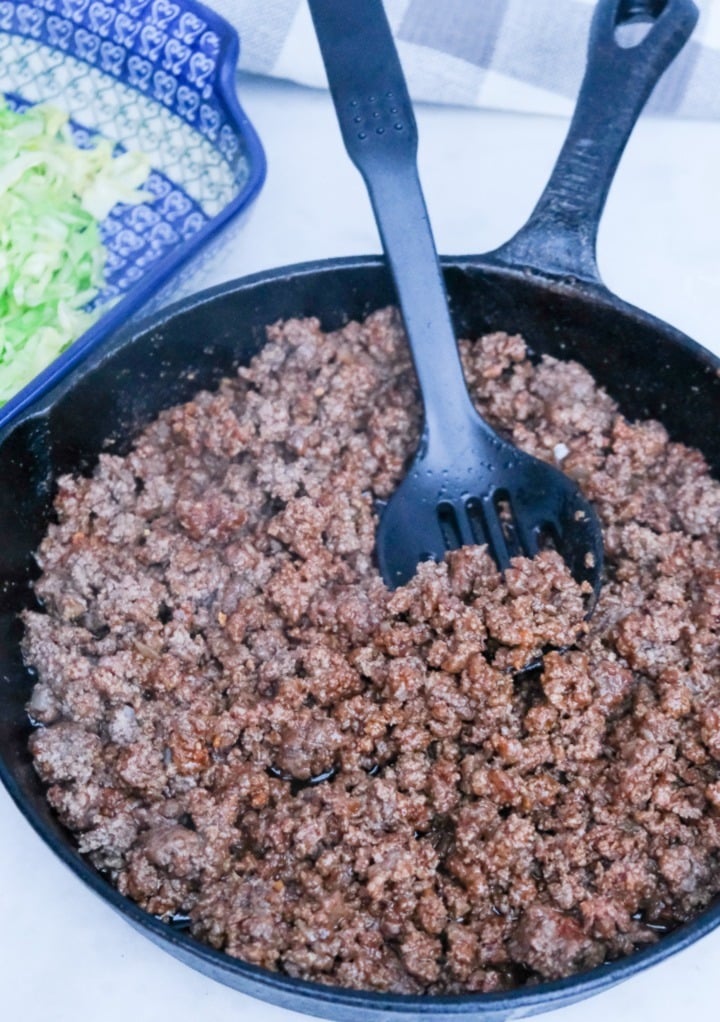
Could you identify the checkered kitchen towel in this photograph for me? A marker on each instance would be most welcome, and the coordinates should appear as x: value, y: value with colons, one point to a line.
x: 525, y: 55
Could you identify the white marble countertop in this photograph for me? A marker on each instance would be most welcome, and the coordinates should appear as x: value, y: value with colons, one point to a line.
x: 64, y: 955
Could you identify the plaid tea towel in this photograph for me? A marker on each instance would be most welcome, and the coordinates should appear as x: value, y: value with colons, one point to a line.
x: 522, y: 55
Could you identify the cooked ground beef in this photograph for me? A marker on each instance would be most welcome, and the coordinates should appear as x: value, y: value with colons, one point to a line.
x: 244, y: 726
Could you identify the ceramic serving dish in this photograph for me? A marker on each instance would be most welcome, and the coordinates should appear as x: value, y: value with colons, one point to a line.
x: 153, y: 75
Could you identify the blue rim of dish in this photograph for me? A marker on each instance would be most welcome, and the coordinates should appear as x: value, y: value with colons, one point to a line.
x: 162, y: 272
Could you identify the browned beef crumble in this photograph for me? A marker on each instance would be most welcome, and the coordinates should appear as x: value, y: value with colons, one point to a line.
x: 242, y: 725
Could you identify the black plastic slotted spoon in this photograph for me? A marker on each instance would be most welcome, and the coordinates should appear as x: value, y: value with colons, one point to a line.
x: 466, y: 484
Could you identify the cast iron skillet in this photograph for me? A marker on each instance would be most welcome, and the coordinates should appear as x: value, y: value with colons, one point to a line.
x: 544, y: 283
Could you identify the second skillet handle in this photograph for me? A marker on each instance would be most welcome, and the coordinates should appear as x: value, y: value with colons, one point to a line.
x: 560, y: 237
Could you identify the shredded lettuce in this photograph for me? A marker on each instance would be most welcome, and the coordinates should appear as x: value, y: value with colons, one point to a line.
x: 53, y: 196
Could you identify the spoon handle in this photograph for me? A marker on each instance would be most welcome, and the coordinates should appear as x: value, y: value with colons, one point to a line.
x: 379, y: 131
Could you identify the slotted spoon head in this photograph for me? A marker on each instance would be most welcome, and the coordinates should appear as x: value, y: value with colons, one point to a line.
x: 482, y: 489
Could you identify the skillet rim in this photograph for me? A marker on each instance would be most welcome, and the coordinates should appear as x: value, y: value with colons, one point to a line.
x: 560, y: 284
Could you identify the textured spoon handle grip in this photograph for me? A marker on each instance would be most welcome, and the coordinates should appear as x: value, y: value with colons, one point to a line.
x: 380, y: 135
x: 366, y: 80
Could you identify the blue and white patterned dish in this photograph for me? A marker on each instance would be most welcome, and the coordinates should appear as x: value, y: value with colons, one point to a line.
x: 153, y: 75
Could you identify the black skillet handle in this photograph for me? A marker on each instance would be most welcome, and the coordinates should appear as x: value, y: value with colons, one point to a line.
x: 559, y: 238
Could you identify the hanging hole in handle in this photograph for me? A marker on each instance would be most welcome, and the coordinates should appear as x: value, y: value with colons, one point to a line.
x: 635, y: 19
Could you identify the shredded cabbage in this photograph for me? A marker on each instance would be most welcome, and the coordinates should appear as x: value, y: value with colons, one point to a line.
x: 52, y: 197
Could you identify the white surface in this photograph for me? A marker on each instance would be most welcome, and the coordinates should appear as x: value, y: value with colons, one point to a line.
x: 63, y: 954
